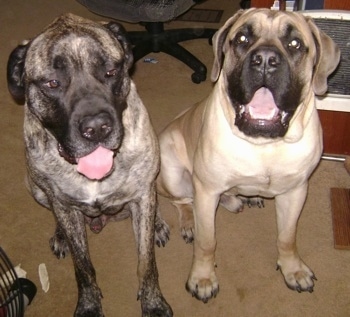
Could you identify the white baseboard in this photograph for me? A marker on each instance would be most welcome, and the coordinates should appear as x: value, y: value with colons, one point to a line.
x: 333, y: 102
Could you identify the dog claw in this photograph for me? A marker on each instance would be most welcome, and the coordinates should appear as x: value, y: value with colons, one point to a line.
x: 261, y: 203
x: 252, y: 201
x: 187, y: 235
x: 205, y: 300
x: 189, y: 240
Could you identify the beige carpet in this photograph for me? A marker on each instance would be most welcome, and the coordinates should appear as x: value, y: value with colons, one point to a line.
x: 246, y: 253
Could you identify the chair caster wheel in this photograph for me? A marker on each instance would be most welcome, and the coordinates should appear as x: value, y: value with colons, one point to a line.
x: 197, y: 78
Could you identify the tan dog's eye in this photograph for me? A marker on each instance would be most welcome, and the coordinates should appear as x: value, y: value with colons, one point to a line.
x: 54, y: 83
x: 295, y: 44
x: 241, y: 38
x: 111, y: 73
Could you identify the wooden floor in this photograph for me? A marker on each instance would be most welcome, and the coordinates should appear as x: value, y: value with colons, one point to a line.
x: 340, y: 199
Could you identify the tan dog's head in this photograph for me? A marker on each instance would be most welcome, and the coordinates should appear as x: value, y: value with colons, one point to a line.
x: 270, y: 61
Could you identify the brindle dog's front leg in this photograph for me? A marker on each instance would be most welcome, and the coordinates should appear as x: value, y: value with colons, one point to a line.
x: 143, y: 214
x: 71, y: 224
x: 297, y: 274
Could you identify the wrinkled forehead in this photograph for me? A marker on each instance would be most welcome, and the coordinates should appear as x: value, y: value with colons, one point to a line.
x: 86, y: 43
x: 269, y: 24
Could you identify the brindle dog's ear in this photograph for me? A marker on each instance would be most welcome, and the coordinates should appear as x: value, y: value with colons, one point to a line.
x: 121, y: 35
x: 328, y: 56
x: 218, y: 44
x: 15, y: 72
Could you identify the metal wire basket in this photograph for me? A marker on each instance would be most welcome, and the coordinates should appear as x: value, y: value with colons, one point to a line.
x: 11, y: 294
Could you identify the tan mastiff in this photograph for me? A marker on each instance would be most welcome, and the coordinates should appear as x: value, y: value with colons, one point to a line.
x: 257, y: 134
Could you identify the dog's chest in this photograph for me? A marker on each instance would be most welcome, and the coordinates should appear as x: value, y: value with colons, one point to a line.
x: 93, y: 194
x: 267, y: 184
x: 94, y: 198
x: 267, y: 175
x: 265, y: 169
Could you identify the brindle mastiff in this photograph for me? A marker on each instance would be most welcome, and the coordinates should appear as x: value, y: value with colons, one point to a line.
x: 91, y: 150
x: 257, y: 134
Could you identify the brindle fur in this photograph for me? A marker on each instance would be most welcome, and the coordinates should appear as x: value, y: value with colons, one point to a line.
x: 79, y: 53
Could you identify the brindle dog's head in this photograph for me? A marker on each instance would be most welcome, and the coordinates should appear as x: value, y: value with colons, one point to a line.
x: 74, y: 77
x: 270, y: 61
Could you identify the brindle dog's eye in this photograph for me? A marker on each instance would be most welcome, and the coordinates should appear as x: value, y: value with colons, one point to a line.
x: 111, y: 73
x: 54, y: 83
x: 295, y: 44
x: 241, y: 38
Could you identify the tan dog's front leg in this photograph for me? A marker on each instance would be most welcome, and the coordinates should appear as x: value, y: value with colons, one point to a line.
x: 296, y: 273
x: 202, y: 282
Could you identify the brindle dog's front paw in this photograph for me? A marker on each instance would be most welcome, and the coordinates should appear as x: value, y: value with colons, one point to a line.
x: 153, y: 304
x: 59, y: 245
x: 88, y: 312
x: 89, y: 303
x: 162, y: 232
x: 204, y: 288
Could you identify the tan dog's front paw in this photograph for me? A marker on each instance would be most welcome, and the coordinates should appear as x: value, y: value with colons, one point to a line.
x: 204, y: 288
x: 297, y: 275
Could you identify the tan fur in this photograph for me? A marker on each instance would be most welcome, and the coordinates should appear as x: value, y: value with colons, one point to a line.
x: 206, y: 159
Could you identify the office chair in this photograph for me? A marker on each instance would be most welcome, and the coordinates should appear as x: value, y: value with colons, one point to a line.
x: 152, y: 14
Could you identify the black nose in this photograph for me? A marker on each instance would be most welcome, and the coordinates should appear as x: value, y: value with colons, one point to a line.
x: 96, y: 127
x: 265, y: 59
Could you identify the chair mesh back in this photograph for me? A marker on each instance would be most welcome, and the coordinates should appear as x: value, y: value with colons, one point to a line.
x: 339, y: 31
x: 139, y: 10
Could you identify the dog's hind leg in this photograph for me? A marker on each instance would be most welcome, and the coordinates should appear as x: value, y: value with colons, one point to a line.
x: 255, y: 201
x: 231, y: 202
x: 175, y: 183
x: 186, y: 219
x: 235, y: 203
x: 162, y: 231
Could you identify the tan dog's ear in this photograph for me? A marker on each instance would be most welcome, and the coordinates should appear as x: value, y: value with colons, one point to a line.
x: 218, y: 43
x: 328, y: 56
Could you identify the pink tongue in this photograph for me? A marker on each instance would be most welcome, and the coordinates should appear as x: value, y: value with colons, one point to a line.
x: 97, y: 164
x: 262, y: 106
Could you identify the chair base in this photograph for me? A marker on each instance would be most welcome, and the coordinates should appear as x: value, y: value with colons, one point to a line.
x: 155, y: 39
